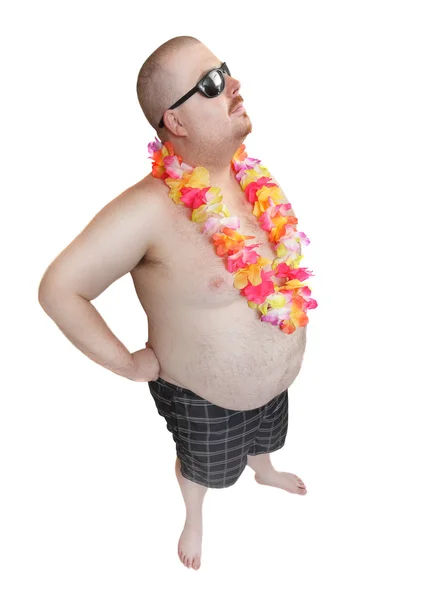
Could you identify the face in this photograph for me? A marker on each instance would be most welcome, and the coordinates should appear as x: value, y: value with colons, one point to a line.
x: 204, y: 119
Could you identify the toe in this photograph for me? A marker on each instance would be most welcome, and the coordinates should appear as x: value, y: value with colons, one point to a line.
x: 300, y: 487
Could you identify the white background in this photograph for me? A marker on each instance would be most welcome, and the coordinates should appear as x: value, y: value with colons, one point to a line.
x: 345, y: 101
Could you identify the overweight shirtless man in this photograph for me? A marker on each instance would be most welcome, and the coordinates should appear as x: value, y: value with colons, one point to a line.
x: 218, y: 374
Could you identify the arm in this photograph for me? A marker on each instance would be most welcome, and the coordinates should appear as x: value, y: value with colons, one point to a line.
x: 110, y: 246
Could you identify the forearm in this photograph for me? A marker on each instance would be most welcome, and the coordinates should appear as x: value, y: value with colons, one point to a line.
x: 83, y: 325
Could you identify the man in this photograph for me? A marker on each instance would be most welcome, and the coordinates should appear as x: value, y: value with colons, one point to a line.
x: 218, y: 374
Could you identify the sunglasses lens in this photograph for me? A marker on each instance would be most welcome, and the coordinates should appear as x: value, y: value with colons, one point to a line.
x: 213, y: 84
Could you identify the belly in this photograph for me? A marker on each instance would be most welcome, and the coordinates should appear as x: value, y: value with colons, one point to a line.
x: 203, y: 332
x: 226, y: 354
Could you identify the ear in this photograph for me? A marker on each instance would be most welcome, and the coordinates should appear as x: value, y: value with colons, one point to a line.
x: 173, y: 123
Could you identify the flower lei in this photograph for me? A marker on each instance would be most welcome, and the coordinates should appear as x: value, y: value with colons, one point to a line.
x: 284, y: 305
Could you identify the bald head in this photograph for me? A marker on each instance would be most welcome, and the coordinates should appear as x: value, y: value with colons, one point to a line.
x: 157, y: 82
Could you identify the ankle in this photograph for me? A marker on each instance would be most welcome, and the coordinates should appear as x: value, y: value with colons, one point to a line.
x: 194, y: 520
x: 266, y: 471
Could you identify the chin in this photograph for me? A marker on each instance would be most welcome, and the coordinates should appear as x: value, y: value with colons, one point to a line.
x: 246, y: 129
x: 247, y: 124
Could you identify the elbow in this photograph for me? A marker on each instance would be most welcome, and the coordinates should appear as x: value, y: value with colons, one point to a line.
x: 44, y: 295
x: 44, y: 289
x: 47, y: 293
x: 52, y: 296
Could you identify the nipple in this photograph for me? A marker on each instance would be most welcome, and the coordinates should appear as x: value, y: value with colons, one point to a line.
x: 216, y: 282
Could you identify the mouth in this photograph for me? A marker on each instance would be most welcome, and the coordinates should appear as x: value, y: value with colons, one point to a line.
x: 238, y: 109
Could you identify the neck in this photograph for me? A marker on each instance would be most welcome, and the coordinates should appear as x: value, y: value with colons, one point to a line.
x: 215, y: 159
x: 223, y: 179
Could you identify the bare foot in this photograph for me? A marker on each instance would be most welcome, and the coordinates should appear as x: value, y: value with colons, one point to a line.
x: 189, y: 545
x: 283, y: 480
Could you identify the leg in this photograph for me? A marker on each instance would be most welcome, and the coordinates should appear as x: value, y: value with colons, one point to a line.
x: 210, y: 453
x: 189, y: 544
x: 260, y: 463
x: 269, y: 438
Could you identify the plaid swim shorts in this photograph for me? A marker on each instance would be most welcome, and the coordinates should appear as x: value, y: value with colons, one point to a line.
x: 212, y: 442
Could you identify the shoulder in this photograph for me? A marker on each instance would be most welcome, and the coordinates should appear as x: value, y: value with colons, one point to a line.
x: 147, y: 200
x: 144, y: 199
x: 150, y: 187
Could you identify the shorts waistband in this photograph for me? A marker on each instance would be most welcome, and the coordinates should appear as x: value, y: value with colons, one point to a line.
x: 172, y: 386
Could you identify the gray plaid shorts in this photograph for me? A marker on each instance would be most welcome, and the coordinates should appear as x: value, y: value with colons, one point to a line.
x: 212, y: 442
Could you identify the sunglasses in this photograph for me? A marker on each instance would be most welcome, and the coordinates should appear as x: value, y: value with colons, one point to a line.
x: 211, y: 85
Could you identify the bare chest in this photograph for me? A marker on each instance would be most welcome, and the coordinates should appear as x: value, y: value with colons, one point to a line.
x: 185, y: 262
x: 201, y: 328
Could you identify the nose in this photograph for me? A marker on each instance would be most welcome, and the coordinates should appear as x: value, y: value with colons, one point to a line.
x: 233, y: 86
x: 237, y: 86
x: 233, y: 92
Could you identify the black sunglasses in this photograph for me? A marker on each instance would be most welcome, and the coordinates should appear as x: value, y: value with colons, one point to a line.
x: 211, y: 85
